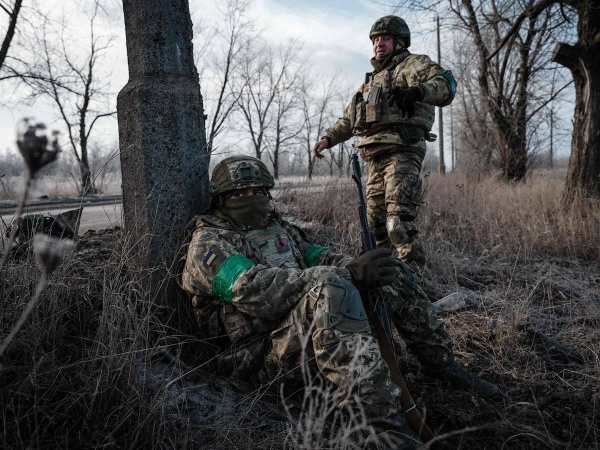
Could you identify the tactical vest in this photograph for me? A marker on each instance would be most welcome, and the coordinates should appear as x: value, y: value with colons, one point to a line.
x: 273, y: 247
x: 370, y: 113
x: 270, y: 246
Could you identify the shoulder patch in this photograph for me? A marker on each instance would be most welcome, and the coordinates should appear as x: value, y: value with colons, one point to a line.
x: 213, y: 256
x: 209, y: 258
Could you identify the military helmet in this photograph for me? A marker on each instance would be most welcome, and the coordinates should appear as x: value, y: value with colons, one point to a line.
x: 239, y: 172
x: 392, y: 25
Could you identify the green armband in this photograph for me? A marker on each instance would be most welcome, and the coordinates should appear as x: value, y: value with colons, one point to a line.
x: 446, y: 75
x: 311, y: 254
x: 227, y: 275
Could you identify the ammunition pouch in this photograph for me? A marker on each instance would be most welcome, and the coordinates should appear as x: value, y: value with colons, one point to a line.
x: 337, y: 304
x: 371, y: 113
x: 374, y: 106
x: 410, y: 134
x: 357, y: 112
x: 237, y: 325
x: 372, y: 116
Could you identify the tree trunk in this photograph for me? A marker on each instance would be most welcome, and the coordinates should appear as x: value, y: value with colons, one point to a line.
x: 87, y: 183
x: 512, y: 155
x: 10, y: 32
x: 583, y: 177
x: 276, y: 163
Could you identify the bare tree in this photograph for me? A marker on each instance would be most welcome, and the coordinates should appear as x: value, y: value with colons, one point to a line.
x: 505, y: 78
x: 105, y: 167
x: 339, y: 158
x: 55, y: 68
x: 583, y: 177
x: 474, y: 140
x: 318, y: 102
x: 12, y: 9
x: 267, y: 76
x: 286, y: 126
x: 56, y: 71
x: 219, y: 63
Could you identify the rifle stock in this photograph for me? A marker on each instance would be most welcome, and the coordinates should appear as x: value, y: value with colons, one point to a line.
x: 381, y: 324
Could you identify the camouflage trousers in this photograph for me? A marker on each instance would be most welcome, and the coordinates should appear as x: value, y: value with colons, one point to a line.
x: 415, y: 319
x: 350, y: 361
x: 393, y: 192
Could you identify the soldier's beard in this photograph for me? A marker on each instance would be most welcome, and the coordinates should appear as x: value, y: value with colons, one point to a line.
x: 252, y: 211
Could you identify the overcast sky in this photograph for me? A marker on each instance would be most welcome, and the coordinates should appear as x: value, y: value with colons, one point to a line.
x: 335, y: 34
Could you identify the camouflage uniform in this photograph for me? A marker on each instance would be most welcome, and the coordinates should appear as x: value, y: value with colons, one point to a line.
x: 393, y: 145
x: 265, y: 296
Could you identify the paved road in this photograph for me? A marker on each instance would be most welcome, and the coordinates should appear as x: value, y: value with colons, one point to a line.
x: 107, y: 213
x: 93, y: 217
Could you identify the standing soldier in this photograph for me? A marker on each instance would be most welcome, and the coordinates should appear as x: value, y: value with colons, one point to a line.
x: 393, y: 112
x: 267, y: 296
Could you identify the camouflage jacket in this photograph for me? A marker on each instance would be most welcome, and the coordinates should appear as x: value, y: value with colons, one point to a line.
x: 369, y: 116
x: 244, y: 282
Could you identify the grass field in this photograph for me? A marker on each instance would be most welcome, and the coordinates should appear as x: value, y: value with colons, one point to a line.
x: 97, y: 366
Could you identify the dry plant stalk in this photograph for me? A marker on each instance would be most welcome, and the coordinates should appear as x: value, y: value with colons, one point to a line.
x: 37, y: 151
x: 49, y: 253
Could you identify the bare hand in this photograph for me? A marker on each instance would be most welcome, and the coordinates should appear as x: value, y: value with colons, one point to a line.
x: 319, y: 147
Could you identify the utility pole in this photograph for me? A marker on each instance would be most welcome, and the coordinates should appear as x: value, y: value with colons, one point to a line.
x: 551, y: 138
x: 452, y: 138
x: 161, y: 138
x: 442, y: 168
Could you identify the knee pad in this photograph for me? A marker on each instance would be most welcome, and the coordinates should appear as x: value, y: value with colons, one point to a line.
x: 399, y: 231
x: 337, y: 304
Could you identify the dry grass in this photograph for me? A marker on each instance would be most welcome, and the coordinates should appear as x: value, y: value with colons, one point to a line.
x: 534, y: 269
x: 95, y: 367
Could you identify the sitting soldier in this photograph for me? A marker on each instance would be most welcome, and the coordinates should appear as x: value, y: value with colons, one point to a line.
x: 257, y: 281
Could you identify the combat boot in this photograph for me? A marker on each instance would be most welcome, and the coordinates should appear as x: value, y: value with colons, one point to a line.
x: 458, y: 375
x: 396, y: 433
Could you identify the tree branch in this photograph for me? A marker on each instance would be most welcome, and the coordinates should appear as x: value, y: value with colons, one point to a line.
x: 10, y: 32
x: 528, y: 13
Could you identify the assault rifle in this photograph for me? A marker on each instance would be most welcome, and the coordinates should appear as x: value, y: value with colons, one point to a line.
x: 381, y: 323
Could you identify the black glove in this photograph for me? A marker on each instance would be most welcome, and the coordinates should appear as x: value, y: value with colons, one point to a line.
x: 405, y: 99
x: 373, y: 269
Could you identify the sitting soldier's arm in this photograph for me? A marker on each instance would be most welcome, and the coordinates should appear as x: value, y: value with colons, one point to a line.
x: 216, y: 268
x: 314, y: 254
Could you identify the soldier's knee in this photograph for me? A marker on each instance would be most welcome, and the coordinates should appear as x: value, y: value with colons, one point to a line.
x: 337, y: 304
x: 401, y: 230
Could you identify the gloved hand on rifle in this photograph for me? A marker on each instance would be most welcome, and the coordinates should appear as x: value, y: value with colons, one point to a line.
x: 373, y: 269
x: 405, y: 99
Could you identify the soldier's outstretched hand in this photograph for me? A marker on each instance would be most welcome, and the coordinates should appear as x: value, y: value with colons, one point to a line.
x: 319, y: 147
x: 373, y: 269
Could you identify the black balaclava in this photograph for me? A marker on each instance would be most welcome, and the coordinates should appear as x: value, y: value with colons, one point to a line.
x: 252, y: 211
